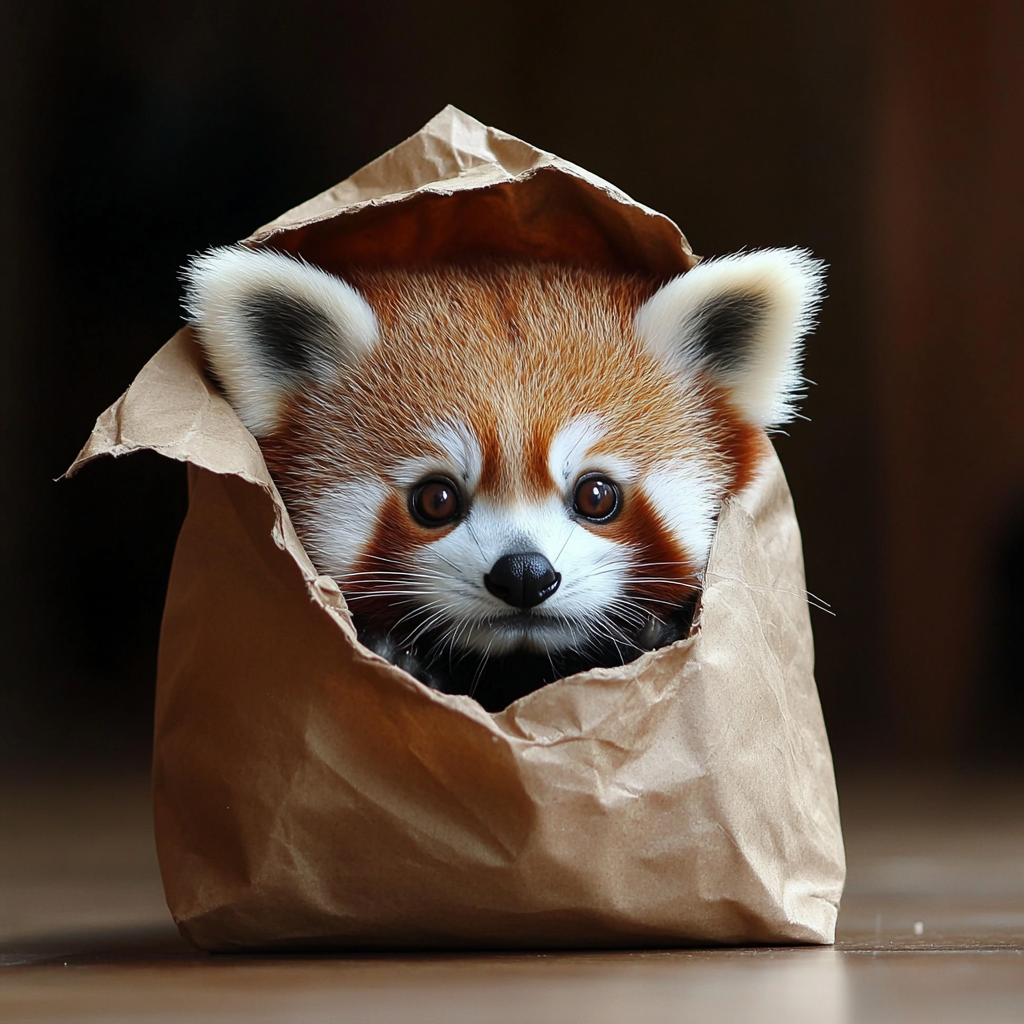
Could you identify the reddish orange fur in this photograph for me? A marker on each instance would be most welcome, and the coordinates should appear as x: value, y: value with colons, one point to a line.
x: 515, y: 352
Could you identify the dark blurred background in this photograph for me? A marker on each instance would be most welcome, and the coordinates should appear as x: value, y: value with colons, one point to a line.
x: 888, y: 140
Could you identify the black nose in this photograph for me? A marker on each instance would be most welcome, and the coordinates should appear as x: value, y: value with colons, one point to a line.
x: 522, y: 580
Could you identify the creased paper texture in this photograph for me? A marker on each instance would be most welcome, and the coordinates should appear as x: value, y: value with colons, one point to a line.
x: 309, y: 794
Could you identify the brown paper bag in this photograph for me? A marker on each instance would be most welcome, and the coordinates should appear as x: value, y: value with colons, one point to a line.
x: 309, y: 794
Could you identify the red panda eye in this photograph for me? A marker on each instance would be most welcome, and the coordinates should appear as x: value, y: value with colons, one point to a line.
x: 435, y: 502
x: 597, y: 498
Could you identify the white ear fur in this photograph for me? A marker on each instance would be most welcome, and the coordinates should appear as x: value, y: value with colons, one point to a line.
x: 267, y: 322
x: 741, y: 318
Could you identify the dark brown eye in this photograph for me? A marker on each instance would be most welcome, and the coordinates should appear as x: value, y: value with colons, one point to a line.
x: 596, y: 498
x: 435, y: 502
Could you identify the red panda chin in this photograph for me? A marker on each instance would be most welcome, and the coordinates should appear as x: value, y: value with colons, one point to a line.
x: 513, y: 471
x: 495, y: 681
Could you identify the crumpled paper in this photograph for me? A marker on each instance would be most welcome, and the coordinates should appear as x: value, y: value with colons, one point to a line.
x: 308, y: 794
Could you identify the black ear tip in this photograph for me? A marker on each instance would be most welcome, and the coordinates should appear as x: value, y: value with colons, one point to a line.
x: 728, y: 327
x: 287, y: 330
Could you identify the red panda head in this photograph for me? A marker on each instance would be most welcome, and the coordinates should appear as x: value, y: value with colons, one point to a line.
x: 507, y: 457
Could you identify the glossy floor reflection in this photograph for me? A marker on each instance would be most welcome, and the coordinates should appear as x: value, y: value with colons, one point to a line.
x: 932, y: 929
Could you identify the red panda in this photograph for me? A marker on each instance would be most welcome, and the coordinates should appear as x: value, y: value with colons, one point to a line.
x: 512, y: 470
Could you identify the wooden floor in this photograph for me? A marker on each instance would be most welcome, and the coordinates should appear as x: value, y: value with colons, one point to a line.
x: 932, y: 929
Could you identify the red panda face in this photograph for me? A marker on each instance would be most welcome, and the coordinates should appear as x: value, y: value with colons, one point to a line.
x: 511, y: 458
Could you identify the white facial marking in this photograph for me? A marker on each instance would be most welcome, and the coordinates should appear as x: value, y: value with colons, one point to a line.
x: 592, y: 568
x: 461, y: 445
x: 570, y: 455
x: 569, y: 448
x: 346, y: 517
x: 459, y: 457
x: 685, y: 497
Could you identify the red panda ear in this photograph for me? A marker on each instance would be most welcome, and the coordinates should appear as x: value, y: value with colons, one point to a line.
x: 269, y: 323
x: 741, y: 319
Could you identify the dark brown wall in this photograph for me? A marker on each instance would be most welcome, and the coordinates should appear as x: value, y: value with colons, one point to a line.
x: 137, y: 134
x: 947, y: 218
